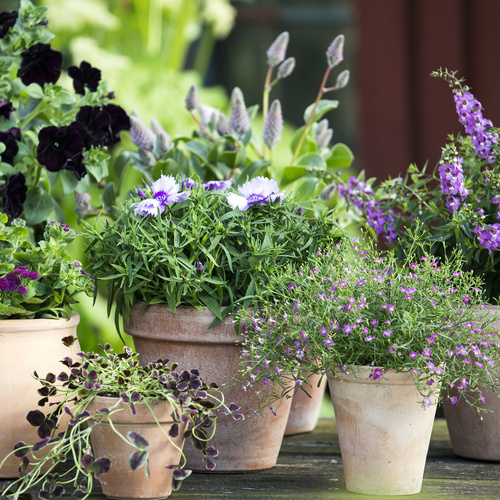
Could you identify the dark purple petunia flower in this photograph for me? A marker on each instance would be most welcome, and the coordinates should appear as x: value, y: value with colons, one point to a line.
x: 84, y: 76
x: 14, y: 195
x: 101, y: 126
x: 6, y: 109
x: 60, y: 148
x: 7, y: 20
x: 10, y: 138
x: 40, y: 64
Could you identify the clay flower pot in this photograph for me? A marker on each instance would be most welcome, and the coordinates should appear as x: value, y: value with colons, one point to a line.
x: 185, y: 337
x: 305, y: 410
x: 26, y: 345
x: 384, y: 433
x: 472, y: 436
x: 120, y: 481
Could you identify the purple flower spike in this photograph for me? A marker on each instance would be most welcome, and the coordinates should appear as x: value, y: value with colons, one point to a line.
x: 192, y: 99
x: 273, y: 126
x: 286, y: 68
x: 165, y: 192
x: 240, y: 120
x: 335, y: 52
x: 277, y: 50
x: 254, y: 192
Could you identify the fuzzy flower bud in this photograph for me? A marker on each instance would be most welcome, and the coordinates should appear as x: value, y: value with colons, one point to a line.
x: 335, y: 52
x: 342, y: 79
x: 286, y: 68
x: 223, y: 126
x: 140, y: 134
x: 240, y: 120
x: 192, y: 99
x: 324, y: 138
x: 273, y: 126
x: 162, y: 137
x: 277, y: 50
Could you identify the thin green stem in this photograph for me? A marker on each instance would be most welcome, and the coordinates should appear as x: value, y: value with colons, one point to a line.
x: 311, y: 116
x: 205, y: 130
x: 265, y: 99
x: 34, y: 113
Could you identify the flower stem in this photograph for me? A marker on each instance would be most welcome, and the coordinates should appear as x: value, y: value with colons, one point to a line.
x: 34, y: 113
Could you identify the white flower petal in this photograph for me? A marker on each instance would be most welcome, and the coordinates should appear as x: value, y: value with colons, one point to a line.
x: 165, y: 184
x: 149, y: 207
x: 236, y: 201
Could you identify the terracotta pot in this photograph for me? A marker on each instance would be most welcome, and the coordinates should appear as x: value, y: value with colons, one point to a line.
x: 184, y: 337
x: 27, y: 345
x: 470, y: 436
x: 305, y: 410
x: 121, y: 481
x: 384, y: 433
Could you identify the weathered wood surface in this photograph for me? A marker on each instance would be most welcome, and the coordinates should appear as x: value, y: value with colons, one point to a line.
x: 310, y: 467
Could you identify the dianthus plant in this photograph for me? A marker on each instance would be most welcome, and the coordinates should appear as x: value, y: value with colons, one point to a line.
x: 351, y: 305
x: 458, y: 202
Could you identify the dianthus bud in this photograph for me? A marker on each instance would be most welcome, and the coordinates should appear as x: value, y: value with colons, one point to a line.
x: 141, y: 135
x: 273, y: 126
x: 240, y: 120
x: 335, y: 52
x: 343, y: 79
x: 286, y: 67
x: 192, y: 99
x: 277, y: 50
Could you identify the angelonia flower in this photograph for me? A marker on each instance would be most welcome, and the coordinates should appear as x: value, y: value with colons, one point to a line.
x: 273, y: 126
x: 240, y: 120
x: 257, y: 191
x: 286, y: 68
x: 488, y: 236
x: 335, y: 52
x: 452, y: 182
x: 277, y: 50
x: 192, y: 99
x: 165, y: 192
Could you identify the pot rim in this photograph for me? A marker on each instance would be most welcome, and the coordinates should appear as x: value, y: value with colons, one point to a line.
x: 38, y: 324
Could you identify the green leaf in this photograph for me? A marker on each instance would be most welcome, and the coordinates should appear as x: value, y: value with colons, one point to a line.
x: 109, y: 195
x: 199, y: 148
x: 69, y: 181
x: 324, y: 106
x: 305, y: 188
x: 312, y: 160
x: 38, y: 206
x: 340, y: 157
x: 211, y: 303
x: 307, y: 146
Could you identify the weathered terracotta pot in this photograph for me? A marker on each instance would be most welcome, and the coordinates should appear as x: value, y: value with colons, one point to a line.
x: 26, y: 345
x: 470, y: 436
x: 184, y: 337
x: 305, y: 410
x: 122, y: 482
x: 384, y: 433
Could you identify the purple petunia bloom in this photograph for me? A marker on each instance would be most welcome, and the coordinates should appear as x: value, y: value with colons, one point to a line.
x: 13, y: 194
x: 84, y: 76
x: 7, y: 20
x: 6, y: 109
x: 40, y: 64
x: 254, y: 192
x: 165, y: 192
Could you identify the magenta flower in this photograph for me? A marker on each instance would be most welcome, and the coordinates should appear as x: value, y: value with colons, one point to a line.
x: 376, y: 374
x: 165, y: 192
x: 254, y: 192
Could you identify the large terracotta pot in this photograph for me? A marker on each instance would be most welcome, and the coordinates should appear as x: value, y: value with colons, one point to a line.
x: 384, y: 433
x: 185, y: 338
x: 27, y: 345
x: 305, y: 410
x: 120, y: 481
x: 472, y: 436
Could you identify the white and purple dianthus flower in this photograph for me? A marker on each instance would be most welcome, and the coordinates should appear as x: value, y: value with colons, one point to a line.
x: 255, y: 192
x: 165, y: 192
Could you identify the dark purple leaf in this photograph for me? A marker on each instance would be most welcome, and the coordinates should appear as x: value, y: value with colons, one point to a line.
x: 137, y: 440
x: 138, y: 459
x: 181, y: 474
x: 210, y: 463
x: 182, y: 386
x: 21, y: 449
x: 58, y: 491
x: 68, y: 342
x: 135, y: 396
x: 40, y: 444
x: 35, y: 418
x: 238, y: 416
x: 212, y: 452
x: 101, y: 466
x: 233, y: 407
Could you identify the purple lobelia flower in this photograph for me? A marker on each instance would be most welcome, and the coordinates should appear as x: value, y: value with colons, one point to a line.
x: 254, y: 192
x: 84, y: 76
x: 165, y: 192
x: 40, y: 64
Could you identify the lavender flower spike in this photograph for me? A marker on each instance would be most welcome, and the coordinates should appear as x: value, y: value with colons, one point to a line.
x: 286, y: 68
x: 165, y: 192
x: 254, y: 192
x: 277, y: 50
x: 240, y: 120
x: 273, y: 126
x: 141, y: 135
x: 192, y: 99
x: 342, y: 79
x: 335, y: 52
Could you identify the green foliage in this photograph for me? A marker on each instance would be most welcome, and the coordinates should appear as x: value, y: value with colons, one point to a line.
x: 352, y: 305
x: 38, y: 281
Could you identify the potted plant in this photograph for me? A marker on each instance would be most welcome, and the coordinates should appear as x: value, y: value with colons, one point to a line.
x: 181, y: 258
x: 458, y: 206
x: 38, y: 284
x: 126, y: 429
x: 379, y: 330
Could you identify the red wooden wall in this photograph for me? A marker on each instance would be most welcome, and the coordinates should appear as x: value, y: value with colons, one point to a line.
x: 404, y: 115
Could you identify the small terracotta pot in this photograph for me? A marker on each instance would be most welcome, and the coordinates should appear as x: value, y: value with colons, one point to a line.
x: 184, y: 337
x: 384, y: 433
x: 305, y: 410
x: 122, y: 482
x: 471, y: 436
x: 27, y: 345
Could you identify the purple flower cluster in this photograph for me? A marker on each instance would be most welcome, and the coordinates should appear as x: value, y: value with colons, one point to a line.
x: 16, y: 280
x: 452, y: 183
x: 488, y: 236
x: 361, y: 195
x: 470, y: 114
